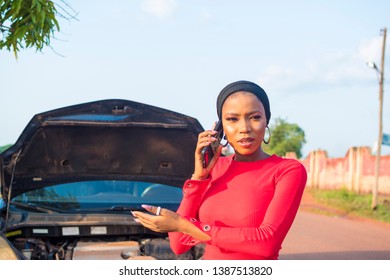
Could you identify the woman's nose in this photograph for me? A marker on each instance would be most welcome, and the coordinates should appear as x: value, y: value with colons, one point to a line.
x: 244, y: 126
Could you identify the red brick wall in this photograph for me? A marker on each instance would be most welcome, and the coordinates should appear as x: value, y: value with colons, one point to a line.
x: 355, y: 171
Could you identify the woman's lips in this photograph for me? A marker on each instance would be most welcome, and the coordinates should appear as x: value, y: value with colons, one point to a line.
x: 246, y: 142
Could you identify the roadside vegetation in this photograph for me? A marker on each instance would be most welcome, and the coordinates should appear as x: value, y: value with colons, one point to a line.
x: 31, y: 23
x: 3, y: 148
x: 284, y: 137
x: 353, y: 204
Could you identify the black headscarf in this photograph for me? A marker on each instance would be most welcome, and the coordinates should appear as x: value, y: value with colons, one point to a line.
x: 243, y: 86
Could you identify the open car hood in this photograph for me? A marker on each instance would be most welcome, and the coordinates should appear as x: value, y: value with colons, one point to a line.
x: 107, y: 139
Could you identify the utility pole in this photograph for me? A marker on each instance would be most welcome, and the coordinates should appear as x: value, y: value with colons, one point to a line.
x: 374, y: 203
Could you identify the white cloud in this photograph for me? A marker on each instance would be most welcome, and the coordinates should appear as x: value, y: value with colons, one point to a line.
x: 159, y: 8
x: 370, y: 50
x: 278, y: 75
x: 328, y: 69
x: 206, y: 17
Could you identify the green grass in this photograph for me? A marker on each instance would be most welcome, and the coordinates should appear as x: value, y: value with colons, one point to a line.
x: 3, y: 148
x: 351, y: 203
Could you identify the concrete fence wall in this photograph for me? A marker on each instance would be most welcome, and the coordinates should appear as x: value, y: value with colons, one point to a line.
x: 355, y: 171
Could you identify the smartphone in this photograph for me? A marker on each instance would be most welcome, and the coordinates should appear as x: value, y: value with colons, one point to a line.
x: 208, y: 152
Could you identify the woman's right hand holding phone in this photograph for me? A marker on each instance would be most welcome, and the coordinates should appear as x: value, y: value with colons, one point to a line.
x: 205, y: 139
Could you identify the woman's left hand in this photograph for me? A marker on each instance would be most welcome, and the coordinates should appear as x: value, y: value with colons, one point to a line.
x: 166, y: 221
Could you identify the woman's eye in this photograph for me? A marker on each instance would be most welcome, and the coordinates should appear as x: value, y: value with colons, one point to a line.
x: 231, y: 119
x: 256, y: 117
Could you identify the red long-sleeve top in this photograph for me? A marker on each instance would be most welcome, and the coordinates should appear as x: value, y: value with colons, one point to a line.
x: 246, y: 207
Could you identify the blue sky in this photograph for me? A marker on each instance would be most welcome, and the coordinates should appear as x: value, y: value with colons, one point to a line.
x: 310, y: 57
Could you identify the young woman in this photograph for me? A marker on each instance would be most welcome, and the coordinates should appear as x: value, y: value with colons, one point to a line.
x: 243, y: 205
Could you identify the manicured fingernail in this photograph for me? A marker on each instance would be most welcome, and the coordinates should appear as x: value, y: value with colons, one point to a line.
x: 147, y: 207
x: 137, y: 220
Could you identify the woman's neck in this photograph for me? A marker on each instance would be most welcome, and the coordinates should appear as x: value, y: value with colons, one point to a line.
x: 259, y: 155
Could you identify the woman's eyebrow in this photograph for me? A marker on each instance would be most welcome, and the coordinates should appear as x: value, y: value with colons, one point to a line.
x: 232, y: 114
x: 254, y: 112
x: 247, y: 113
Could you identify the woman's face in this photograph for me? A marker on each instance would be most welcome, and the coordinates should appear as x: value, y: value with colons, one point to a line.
x: 244, y: 123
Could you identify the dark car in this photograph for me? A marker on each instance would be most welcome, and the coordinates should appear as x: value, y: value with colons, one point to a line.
x: 69, y: 182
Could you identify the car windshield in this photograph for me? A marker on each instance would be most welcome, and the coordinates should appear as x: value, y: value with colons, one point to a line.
x: 106, y: 195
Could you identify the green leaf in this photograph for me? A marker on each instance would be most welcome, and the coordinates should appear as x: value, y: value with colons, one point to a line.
x: 16, y: 6
x: 28, y: 23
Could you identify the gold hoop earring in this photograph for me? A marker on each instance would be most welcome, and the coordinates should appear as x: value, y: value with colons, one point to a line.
x: 269, y: 136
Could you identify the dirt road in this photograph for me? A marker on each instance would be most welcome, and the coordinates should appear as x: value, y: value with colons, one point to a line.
x: 334, y: 236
